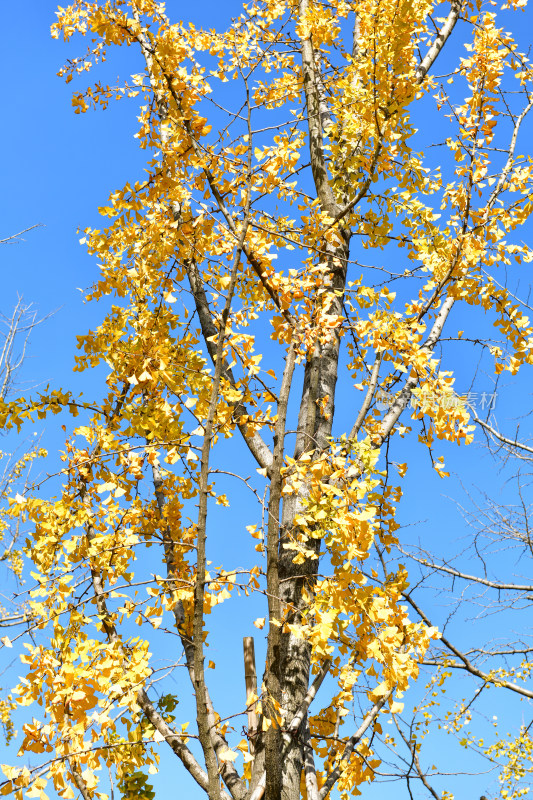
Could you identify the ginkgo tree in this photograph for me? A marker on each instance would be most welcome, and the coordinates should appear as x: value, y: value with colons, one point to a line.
x: 289, y: 246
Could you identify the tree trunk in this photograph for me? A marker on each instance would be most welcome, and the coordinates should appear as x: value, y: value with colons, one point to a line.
x: 291, y: 656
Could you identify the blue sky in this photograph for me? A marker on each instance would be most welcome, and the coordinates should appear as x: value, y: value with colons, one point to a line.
x: 57, y: 168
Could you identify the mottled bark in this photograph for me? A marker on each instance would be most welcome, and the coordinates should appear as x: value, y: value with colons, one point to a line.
x: 272, y: 739
x: 314, y: 429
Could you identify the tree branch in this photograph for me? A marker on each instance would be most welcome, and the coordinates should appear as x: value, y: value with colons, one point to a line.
x: 78, y: 780
x: 466, y: 663
x: 311, y: 783
x: 171, y: 737
x: 416, y: 761
x: 175, y: 743
x: 16, y: 236
x: 368, y: 397
x: 513, y: 587
x: 440, y: 40
x: 316, y: 145
x: 108, y: 626
x: 401, y: 402
x: 200, y: 689
x: 255, y: 443
x: 337, y: 771
x: 503, y: 439
x: 228, y: 772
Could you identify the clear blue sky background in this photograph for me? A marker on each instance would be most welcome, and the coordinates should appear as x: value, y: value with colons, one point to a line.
x: 57, y: 168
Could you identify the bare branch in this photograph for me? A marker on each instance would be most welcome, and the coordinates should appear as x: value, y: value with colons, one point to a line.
x: 368, y: 397
x: 15, y: 336
x: 310, y: 696
x: 311, y: 784
x: 16, y: 236
x: 513, y: 587
x: 412, y: 745
x: 514, y: 443
x: 439, y: 42
x: 465, y: 662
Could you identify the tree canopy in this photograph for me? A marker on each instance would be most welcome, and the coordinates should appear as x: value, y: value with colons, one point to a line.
x: 329, y: 230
